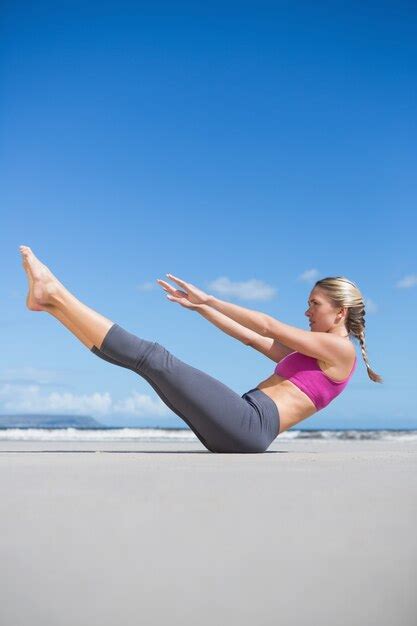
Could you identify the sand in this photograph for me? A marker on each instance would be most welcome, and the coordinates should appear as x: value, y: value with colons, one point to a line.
x: 311, y: 532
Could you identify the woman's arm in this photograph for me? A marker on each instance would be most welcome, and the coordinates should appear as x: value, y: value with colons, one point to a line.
x: 254, y: 320
x: 271, y: 348
x: 319, y: 345
x: 196, y: 300
x: 227, y: 325
x: 192, y: 298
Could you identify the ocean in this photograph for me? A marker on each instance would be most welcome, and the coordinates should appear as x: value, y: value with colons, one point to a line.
x: 186, y: 435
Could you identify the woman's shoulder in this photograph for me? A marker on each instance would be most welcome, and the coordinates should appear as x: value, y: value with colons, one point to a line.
x: 340, y: 370
x: 351, y: 352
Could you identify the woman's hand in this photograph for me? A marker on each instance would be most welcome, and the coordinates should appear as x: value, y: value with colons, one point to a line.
x: 191, y: 297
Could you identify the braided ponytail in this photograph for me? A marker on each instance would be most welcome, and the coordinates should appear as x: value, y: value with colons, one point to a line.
x: 344, y: 293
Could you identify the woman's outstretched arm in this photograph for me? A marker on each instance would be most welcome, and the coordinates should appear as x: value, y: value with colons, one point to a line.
x: 322, y: 346
x: 254, y: 320
x: 319, y: 345
x: 271, y: 348
x: 227, y: 325
x: 195, y: 299
x: 191, y: 297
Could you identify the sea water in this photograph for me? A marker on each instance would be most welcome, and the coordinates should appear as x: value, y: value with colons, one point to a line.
x: 186, y: 435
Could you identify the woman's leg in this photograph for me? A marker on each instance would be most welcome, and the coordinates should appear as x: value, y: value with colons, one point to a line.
x: 221, y: 419
x: 73, y: 328
x: 46, y: 293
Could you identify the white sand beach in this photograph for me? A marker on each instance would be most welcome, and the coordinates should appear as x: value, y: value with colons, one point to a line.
x: 108, y: 533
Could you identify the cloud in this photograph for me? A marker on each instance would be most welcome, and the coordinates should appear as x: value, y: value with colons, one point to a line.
x: 147, y: 286
x: 407, y: 281
x: 309, y: 275
x: 252, y: 289
x: 142, y: 405
x: 28, y: 375
x: 30, y: 398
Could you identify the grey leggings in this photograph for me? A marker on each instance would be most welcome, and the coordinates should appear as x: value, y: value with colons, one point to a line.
x: 221, y: 419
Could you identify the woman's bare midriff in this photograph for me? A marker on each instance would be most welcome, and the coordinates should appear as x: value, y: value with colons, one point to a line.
x: 293, y: 404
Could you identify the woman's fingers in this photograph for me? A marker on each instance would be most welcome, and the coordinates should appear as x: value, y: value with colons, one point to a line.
x: 182, y: 301
x: 182, y: 283
x: 167, y: 287
x: 176, y: 295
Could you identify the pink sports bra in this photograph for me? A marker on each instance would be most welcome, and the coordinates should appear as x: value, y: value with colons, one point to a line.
x: 304, y: 372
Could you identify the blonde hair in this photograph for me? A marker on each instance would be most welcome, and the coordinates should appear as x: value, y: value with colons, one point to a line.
x: 344, y: 293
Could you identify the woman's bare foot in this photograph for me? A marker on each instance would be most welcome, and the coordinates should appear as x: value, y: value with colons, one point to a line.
x: 43, y: 285
x: 30, y: 300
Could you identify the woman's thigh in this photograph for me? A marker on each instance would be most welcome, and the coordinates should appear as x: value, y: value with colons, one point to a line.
x: 221, y: 419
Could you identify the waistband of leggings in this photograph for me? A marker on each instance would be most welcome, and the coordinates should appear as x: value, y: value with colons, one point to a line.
x: 261, y: 399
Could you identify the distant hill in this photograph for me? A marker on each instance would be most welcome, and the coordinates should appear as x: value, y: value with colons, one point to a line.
x: 48, y: 421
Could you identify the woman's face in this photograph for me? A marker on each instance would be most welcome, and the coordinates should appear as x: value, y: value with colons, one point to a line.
x: 320, y: 312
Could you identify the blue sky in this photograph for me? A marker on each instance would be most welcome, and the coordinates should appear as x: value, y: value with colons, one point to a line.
x: 241, y: 142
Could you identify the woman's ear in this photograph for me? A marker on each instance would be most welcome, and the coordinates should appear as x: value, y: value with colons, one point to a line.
x: 343, y: 312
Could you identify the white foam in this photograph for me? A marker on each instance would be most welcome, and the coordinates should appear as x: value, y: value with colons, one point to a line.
x: 177, y: 434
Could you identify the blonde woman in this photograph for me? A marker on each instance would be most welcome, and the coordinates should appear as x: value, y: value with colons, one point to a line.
x: 313, y: 367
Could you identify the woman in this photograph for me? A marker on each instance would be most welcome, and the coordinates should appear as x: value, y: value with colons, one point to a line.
x: 314, y: 367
